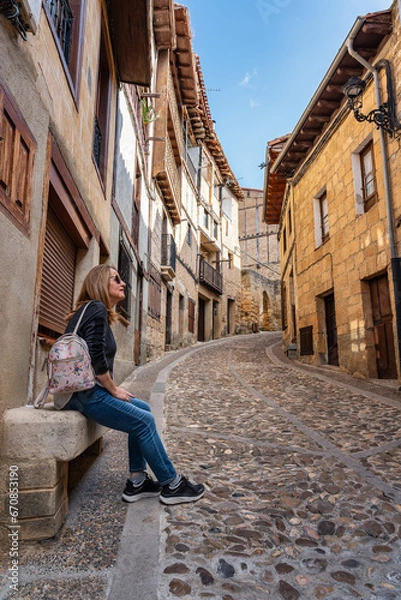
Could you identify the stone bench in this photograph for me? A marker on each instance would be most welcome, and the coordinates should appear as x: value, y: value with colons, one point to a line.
x: 41, y: 443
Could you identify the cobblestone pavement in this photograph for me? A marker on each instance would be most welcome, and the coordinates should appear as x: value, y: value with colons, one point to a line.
x: 303, y: 481
x: 303, y: 488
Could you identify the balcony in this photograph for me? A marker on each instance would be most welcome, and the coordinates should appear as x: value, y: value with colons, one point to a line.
x: 167, y: 151
x: 168, y: 257
x: 210, y: 277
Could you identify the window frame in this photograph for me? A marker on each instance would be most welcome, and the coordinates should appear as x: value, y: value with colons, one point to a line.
x: 17, y: 174
x: 101, y: 120
x: 306, y: 341
x: 72, y: 64
x: 322, y: 234
x: 324, y: 217
x: 369, y: 199
x: 189, y: 235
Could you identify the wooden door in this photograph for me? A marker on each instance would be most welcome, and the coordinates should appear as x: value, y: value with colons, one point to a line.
x: 383, y: 328
x: 201, y: 320
x: 331, y: 329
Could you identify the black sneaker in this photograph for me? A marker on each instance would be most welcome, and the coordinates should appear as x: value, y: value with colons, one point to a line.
x: 185, y: 491
x: 147, y: 489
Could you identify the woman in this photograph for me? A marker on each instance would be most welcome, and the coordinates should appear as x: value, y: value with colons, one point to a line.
x: 112, y: 406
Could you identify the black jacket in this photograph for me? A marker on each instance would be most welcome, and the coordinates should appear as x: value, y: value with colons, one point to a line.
x: 97, y: 333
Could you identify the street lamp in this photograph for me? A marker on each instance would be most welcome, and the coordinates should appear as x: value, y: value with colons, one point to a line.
x: 10, y: 9
x: 383, y: 117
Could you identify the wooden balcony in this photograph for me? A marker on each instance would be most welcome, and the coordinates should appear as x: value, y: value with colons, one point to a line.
x: 168, y: 145
x: 168, y: 178
x: 210, y: 277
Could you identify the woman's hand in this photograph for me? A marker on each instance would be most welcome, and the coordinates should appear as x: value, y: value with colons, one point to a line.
x: 121, y: 394
x: 112, y: 388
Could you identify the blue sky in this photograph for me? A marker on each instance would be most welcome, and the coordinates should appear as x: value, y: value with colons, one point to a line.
x: 266, y: 58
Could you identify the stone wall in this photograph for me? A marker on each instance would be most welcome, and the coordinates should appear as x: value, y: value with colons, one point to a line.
x: 260, y: 263
x: 260, y: 303
x: 358, y: 246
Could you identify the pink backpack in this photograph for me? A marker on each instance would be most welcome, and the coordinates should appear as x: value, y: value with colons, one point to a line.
x: 69, y: 366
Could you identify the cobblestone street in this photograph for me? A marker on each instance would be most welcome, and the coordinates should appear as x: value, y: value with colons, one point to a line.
x: 303, y: 489
x: 303, y: 479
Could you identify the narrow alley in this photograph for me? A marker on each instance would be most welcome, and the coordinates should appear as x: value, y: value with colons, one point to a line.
x: 302, y: 471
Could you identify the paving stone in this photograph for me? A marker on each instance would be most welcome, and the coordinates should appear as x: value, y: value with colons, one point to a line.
x: 283, y: 515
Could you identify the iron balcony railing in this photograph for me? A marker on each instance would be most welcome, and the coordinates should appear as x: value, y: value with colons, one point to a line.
x: 210, y: 277
x: 61, y: 15
x: 97, y: 142
x: 168, y: 251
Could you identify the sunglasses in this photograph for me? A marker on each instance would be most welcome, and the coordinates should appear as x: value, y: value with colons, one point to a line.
x: 116, y: 278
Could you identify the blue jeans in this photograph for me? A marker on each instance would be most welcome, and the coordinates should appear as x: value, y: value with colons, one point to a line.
x: 134, y: 418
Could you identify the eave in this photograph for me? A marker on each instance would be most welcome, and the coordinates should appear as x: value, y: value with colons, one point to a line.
x: 275, y: 183
x: 184, y: 57
x: 369, y: 32
x: 185, y: 71
x: 163, y: 24
x: 130, y: 30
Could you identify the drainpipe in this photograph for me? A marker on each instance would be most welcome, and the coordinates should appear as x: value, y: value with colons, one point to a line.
x: 395, y: 261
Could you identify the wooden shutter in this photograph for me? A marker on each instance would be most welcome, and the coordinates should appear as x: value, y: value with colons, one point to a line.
x: 58, y: 275
x: 17, y: 149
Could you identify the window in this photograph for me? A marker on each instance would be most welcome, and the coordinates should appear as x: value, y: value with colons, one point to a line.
x: 321, y: 216
x: 189, y: 235
x: 66, y: 21
x: 227, y: 226
x: 154, y: 293
x: 17, y: 150
x: 191, y: 316
x: 368, y: 177
x: 124, y: 268
x: 67, y: 233
x: 306, y: 340
x: 58, y: 274
x: 102, y: 108
x: 61, y: 18
x: 205, y: 219
x: 324, y: 216
x: 215, y: 229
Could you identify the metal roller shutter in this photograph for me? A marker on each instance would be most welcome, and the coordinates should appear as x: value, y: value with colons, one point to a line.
x: 58, y: 275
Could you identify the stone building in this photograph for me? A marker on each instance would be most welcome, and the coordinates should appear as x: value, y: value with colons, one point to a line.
x: 195, y: 297
x: 260, y: 266
x: 70, y: 154
x: 334, y: 191
x: 103, y: 127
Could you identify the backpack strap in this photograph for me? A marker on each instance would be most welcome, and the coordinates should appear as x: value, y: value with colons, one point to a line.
x: 81, y: 317
x: 41, y: 398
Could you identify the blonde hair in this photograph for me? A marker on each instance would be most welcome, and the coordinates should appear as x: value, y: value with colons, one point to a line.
x: 96, y: 287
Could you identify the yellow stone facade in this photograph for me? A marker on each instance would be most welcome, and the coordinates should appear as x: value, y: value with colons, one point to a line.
x: 341, y: 268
